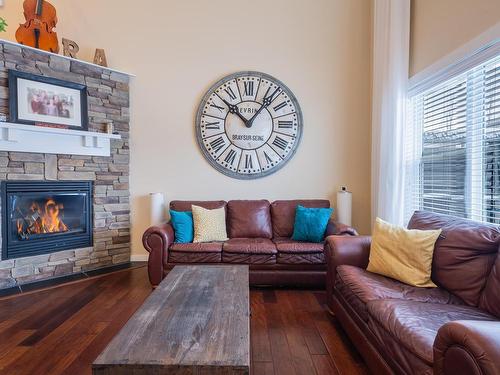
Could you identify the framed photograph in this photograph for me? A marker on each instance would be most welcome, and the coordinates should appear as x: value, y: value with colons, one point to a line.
x: 35, y: 99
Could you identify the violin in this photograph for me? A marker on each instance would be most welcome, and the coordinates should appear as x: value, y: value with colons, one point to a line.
x: 38, y: 30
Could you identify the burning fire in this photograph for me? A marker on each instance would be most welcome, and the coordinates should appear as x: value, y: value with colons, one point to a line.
x: 42, y: 219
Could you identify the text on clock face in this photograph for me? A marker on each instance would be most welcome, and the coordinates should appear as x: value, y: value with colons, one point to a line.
x: 249, y: 125
x: 247, y: 137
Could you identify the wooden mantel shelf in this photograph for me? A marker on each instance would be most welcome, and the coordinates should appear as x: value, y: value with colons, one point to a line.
x: 29, y: 138
x: 3, y: 41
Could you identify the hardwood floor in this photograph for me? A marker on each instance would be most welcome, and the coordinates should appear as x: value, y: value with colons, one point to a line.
x: 62, y: 330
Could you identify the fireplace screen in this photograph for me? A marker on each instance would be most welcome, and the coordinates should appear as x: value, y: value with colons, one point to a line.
x: 41, y: 215
x: 44, y: 217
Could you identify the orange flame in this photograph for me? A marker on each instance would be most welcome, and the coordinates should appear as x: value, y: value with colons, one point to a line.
x: 20, y: 226
x: 46, y: 219
x: 50, y: 220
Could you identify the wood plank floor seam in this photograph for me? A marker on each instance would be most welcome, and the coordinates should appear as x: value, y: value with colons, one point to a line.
x: 63, y: 329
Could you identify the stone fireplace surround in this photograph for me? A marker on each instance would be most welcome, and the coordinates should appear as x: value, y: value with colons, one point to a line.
x: 108, y: 102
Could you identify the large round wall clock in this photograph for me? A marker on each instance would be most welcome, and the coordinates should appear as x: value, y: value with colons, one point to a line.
x: 248, y: 125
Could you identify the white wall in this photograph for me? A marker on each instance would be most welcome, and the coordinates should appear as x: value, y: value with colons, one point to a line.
x: 438, y: 27
x: 177, y: 49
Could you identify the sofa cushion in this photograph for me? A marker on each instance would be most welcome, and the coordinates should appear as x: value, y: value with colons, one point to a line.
x: 249, y: 246
x: 310, y: 223
x: 198, y: 247
x: 287, y: 245
x: 283, y: 214
x: 206, y: 252
x: 402, y: 254
x: 413, y: 326
x: 296, y: 252
x: 298, y: 258
x: 490, y: 298
x: 249, y: 251
x: 209, y: 224
x: 466, y: 250
x: 186, y: 205
x: 249, y: 219
x: 182, y: 221
x: 359, y: 287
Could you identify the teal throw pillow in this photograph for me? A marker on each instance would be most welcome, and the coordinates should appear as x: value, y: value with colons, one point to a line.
x: 310, y: 223
x: 183, y: 226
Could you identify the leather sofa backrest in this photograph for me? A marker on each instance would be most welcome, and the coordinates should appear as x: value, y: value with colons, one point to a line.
x: 186, y: 205
x: 249, y: 219
x: 283, y: 214
x: 490, y: 298
x: 464, y: 254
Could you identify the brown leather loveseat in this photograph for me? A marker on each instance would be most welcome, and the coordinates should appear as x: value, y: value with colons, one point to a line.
x: 259, y: 235
x: 453, y: 329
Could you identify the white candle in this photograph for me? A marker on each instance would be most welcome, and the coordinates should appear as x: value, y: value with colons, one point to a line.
x: 344, y: 206
x: 156, y: 208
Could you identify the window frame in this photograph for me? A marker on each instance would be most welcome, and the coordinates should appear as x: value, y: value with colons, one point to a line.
x: 474, y: 187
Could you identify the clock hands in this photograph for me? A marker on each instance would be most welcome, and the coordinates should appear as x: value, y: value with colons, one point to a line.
x: 250, y: 122
x: 266, y: 102
x: 233, y: 108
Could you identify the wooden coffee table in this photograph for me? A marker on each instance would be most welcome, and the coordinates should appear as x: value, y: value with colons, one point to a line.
x: 197, y: 321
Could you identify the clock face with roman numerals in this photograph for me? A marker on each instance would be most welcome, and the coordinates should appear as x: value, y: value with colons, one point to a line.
x: 248, y: 125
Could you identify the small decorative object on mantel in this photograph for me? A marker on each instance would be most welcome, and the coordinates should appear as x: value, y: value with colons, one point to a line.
x: 38, y: 30
x: 35, y: 99
x: 70, y: 48
x: 54, y: 126
x: 109, y: 128
x: 100, y: 57
x: 2, y: 24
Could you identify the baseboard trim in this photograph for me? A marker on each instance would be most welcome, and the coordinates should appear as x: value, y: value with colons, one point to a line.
x: 139, y: 258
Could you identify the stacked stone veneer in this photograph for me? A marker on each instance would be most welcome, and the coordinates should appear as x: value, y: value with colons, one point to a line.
x: 108, y: 102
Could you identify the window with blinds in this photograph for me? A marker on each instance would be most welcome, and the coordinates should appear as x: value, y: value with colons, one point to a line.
x: 452, y: 156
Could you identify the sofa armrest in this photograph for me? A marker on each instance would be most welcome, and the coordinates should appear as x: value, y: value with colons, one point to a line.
x: 338, y: 229
x: 156, y: 241
x: 349, y: 250
x: 468, y: 347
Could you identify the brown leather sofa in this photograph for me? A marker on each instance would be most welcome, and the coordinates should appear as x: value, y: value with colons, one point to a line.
x: 259, y: 235
x: 399, y: 329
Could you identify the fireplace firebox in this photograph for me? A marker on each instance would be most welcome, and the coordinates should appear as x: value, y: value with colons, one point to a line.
x: 40, y: 217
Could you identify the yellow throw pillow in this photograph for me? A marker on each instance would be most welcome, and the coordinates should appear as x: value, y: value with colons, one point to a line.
x: 403, y: 254
x: 209, y: 225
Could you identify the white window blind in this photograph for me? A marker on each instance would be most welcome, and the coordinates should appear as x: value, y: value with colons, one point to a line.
x: 452, y: 156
